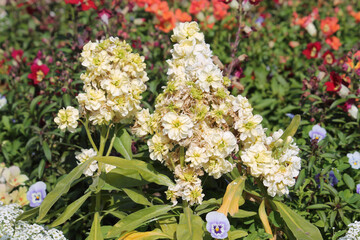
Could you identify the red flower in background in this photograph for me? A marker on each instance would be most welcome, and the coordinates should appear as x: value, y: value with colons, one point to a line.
x: 38, y: 73
x: 182, y: 16
x: 198, y: 5
x: 85, y: 4
x: 333, y: 42
x: 220, y: 9
x: 328, y: 57
x: 334, y: 85
x: 329, y: 26
x: 312, y: 50
x: 17, y: 55
x: 254, y: 2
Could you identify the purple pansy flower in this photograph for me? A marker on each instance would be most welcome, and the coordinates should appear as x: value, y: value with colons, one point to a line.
x: 354, y: 160
x: 36, y: 194
x: 332, y: 180
x: 217, y: 224
x: 317, y: 133
x: 358, y: 188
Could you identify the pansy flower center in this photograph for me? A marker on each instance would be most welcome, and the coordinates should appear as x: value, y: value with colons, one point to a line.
x: 36, y: 197
x: 218, y: 228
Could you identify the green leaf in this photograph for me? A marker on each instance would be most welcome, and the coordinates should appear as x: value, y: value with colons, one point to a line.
x: 61, y: 187
x: 122, y: 144
x: 190, y: 226
x: 47, y: 151
x: 136, y: 219
x: 29, y: 214
x: 34, y: 102
x: 95, y: 232
x: 70, y: 210
x: 349, y: 181
x: 144, y: 169
x: 137, y: 196
x: 41, y: 168
x: 338, y: 102
x: 300, y: 179
x: 124, y: 178
x: 232, y: 235
x: 318, y: 206
x: 292, y: 128
x: 244, y: 214
x: 67, y: 100
x: 299, y: 226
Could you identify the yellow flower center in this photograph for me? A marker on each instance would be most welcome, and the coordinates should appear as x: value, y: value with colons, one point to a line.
x: 313, y: 52
x: 39, y: 76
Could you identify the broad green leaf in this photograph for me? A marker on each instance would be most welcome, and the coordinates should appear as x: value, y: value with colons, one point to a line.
x: 137, y: 196
x: 95, y: 232
x: 144, y: 169
x: 232, y: 196
x: 208, y: 205
x: 124, y: 178
x: 61, y: 187
x: 29, y: 214
x: 153, y: 235
x: 349, y: 181
x: 190, y: 226
x: 168, y: 226
x: 338, y: 102
x: 136, y: 219
x: 244, y: 214
x: 232, y: 235
x: 299, y: 226
x: 292, y: 128
x: 70, y: 210
x: 122, y: 144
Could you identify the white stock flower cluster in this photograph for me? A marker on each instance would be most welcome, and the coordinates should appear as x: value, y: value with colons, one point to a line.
x: 86, y: 154
x: 196, y: 114
x: 67, y: 118
x: 113, y: 83
x: 20, y: 230
x: 353, y: 233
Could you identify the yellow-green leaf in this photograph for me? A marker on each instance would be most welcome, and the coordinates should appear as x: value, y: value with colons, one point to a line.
x: 232, y: 196
x: 292, y: 128
x: 190, y: 226
x: 299, y: 226
x: 136, y: 219
x: 95, y: 232
x: 137, y: 196
x: 232, y: 235
x: 153, y: 235
x: 144, y: 169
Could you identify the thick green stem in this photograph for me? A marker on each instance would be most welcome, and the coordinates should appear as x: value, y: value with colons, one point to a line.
x: 86, y: 125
